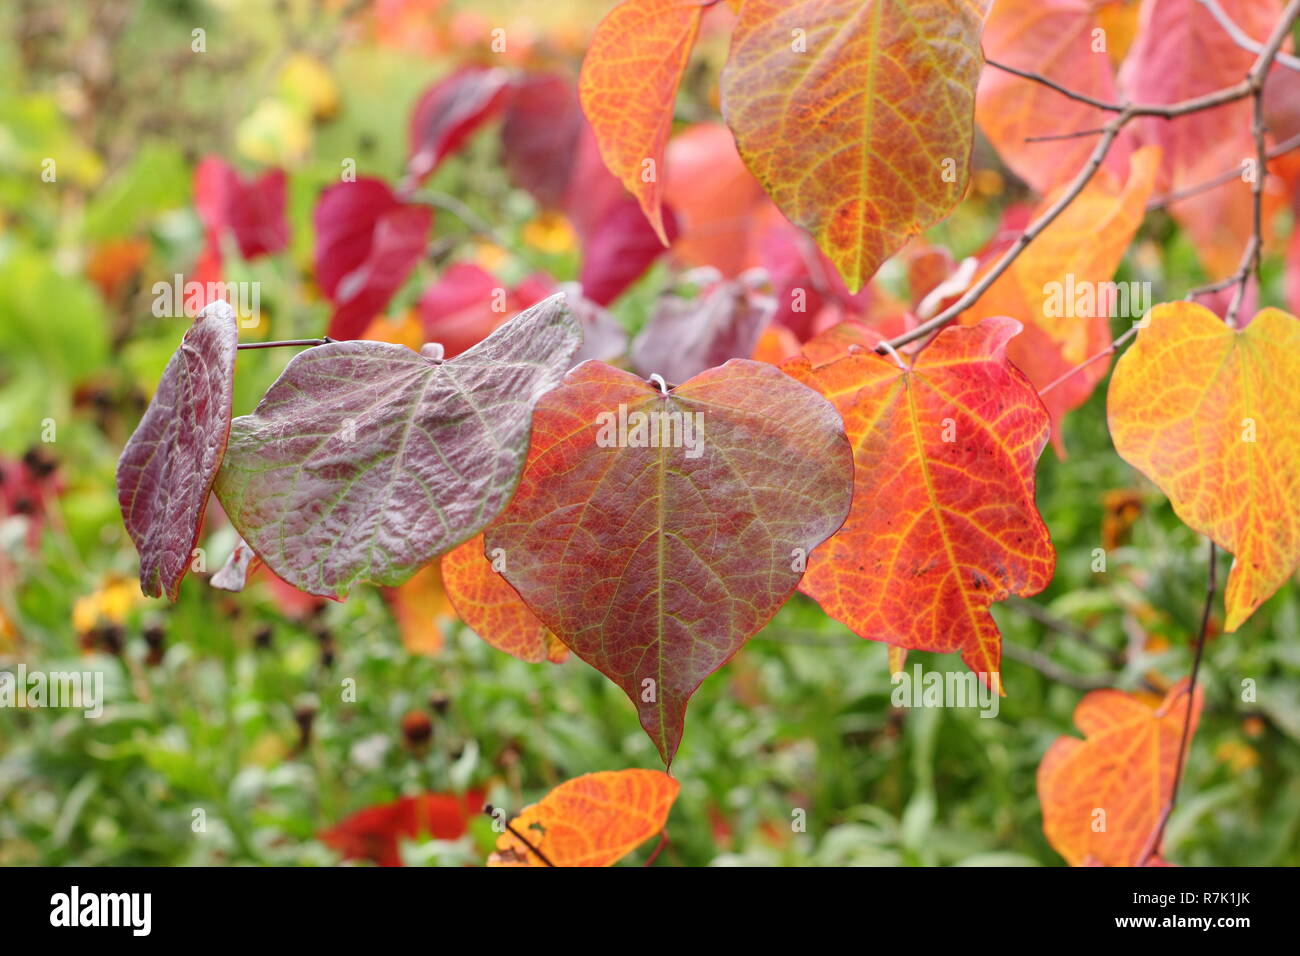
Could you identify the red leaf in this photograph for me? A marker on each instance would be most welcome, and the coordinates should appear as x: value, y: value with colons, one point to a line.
x: 448, y: 112
x: 253, y: 210
x: 619, y: 249
x: 172, y: 459
x: 375, y: 833
x: 367, y: 244
x: 540, y: 135
x: 656, y: 564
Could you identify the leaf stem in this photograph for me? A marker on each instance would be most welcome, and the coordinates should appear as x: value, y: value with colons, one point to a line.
x: 297, y: 343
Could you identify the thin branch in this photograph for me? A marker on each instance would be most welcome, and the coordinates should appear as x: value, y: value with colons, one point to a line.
x: 663, y: 842
x: 1062, y: 626
x: 1227, y: 176
x: 1076, y: 134
x: 286, y: 343
x: 1049, y: 668
x: 1252, y: 85
x: 1158, y: 834
x: 1114, y: 346
x: 1239, y: 36
x: 491, y: 811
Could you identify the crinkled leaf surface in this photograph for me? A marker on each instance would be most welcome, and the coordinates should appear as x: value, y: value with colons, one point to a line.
x: 168, y: 465
x: 656, y: 564
x: 629, y: 86
x: 493, y: 609
x: 1125, y: 768
x: 864, y: 137
x: 365, y: 460
x: 592, y: 820
x: 1210, y: 414
x: 944, y: 521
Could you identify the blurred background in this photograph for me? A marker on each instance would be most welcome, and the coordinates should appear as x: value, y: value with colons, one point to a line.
x: 225, y: 738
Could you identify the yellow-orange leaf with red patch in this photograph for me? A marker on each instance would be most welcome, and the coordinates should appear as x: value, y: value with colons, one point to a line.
x: 1124, y: 768
x: 1209, y: 414
x: 493, y: 609
x: 857, y: 116
x: 592, y: 820
x: 628, y: 87
x: 943, y: 521
x: 1060, y: 288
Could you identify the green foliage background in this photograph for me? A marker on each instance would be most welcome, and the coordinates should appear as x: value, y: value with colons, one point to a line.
x: 800, y: 720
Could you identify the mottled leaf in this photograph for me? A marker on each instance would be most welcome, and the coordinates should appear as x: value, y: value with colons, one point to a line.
x: 493, y: 609
x: 944, y: 521
x: 1209, y: 414
x: 656, y: 562
x: 170, y: 461
x: 365, y: 460
x: 592, y: 820
x: 629, y: 86
x: 1102, y: 797
x: 857, y: 116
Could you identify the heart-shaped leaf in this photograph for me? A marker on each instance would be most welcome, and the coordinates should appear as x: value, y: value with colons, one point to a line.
x: 823, y: 98
x: 655, y: 533
x: 365, y: 460
x: 171, y: 460
x: 1209, y: 414
x: 944, y: 521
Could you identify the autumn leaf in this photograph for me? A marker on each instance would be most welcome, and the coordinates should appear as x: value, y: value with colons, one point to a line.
x: 619, y: 250
x: 253, y: 211
x: 448, y: 112
x: 655, y: 562
x: 1055, y: 39
x: 168, y: 466
x: 1208, y: 413
x: 629, y: 86
x: 686, y: 336
x: 421, y: 606
x: 592, y: 820
x: 1060, y: 287
x: 365, y: 460
x: 540, y: 132
x: 1103, y: 796
x: 493, y: 610
x: 944, y: 521
x: 822, y: 95
x: 375, y: 833
x: 367, y: 244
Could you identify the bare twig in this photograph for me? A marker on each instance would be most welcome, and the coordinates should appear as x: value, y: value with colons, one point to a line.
x: 286, y: 343
x: 1153, y: 842
x: 1227, y: 176
x: 1062, y: 626
x: 1252, y: 85
x: 1049, y: 668
x: 1239, y: 35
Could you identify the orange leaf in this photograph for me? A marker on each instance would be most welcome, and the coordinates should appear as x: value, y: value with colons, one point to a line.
x: 1209, y: 414
x: 943, y: 521
x: 419, y: 605
x: 857, y: 117
x: 1059, y: 287
x: 493, y: 609
x: 375, y: 833
x: 592, y: 820
x: 1102, y: 797
x: 629, y: 86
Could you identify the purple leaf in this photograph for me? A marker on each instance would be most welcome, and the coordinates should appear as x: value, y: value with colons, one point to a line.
x: 448, y: 112
x: 171, y: 460
x: 686, y: 336
x: 365, y: 460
